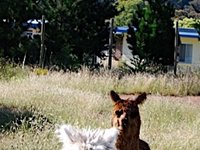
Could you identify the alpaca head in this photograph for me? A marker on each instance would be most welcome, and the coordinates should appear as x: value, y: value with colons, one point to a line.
x: 126, y: 116
x: 74, y: 138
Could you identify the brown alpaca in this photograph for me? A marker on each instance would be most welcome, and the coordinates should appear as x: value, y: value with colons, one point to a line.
x: 126, y: 118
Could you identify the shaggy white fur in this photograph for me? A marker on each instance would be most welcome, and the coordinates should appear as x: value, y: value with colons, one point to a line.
x: 87, y: 139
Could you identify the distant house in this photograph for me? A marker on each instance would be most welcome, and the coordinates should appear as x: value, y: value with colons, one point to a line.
x: 33, y: 27
x: 189, y: 50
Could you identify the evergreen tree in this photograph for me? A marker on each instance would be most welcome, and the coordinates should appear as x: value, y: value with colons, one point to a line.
x: 12, y: 16
x: 126, y: 9
x: 154, y: 35
x: 75, y: 29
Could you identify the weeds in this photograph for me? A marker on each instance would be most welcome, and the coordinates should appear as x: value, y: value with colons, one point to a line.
x: 12, y: 119
x: 10, y: 71
x: 31, y: 108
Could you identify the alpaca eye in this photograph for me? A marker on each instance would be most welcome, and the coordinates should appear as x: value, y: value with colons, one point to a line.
x: 119, y: 113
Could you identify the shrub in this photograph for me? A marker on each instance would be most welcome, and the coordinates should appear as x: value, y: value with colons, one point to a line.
x: 40, y: 71
x: 9, y: 70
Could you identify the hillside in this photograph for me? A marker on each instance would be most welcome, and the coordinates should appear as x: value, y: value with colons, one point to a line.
x: 187, y: 8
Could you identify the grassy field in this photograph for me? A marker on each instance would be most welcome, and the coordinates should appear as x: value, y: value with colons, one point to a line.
x: 32, y: 107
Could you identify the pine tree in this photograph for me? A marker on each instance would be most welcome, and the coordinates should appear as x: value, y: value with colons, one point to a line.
x: 154, y: 36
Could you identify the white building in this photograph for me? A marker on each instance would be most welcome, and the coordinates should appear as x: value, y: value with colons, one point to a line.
x: 189, y: 50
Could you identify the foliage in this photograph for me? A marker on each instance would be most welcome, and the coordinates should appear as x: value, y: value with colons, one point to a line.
x: 152, y: 22
x: 12, y: 15
x: 196, y: 5
x: 187, y: 8
x: 9, y: 71
x: 40, y: 71
x: 126, y: 9
x: 72, y: 30
x: 188, y: 22
x: 13, y: 118
x: 94, y: 34
x: 183, y: 9
x: 138, y: 65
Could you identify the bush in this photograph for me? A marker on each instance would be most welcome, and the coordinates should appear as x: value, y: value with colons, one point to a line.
x: 10, y: 70
x: 41, y: 71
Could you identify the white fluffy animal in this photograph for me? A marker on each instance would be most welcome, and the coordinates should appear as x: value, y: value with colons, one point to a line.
x: 87, y: 139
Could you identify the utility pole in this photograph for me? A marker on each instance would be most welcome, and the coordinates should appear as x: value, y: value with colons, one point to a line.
x: 110, y: 44
x: 176, y: 47
x: 42, y: 56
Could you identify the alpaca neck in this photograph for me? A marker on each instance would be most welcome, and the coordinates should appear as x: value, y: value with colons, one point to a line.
x: 127, y: 141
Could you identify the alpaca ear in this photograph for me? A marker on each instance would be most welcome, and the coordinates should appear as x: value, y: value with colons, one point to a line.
x: 140, y: 98
x: 114, y: 96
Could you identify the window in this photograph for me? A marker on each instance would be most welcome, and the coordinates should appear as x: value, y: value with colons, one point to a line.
x: 185, y: 53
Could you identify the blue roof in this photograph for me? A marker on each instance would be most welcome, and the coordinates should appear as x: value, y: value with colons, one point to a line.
x: 33, y: 23
x: 121, y: 30
x: 188, y: 32
x: 183, y: 32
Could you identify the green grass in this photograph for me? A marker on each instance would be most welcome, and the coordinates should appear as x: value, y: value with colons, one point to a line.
x: 169, y: 124
x: 81, y: 99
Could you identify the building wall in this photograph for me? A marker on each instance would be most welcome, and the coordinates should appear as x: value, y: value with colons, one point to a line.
x: 118, y: 49
x: 196, y: 54
x: 126, y: 52
x: 196, y: 49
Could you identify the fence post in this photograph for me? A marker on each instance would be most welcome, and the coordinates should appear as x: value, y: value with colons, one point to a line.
x: 176, y: 47
x: 42, y: 57
x: 110, y: 43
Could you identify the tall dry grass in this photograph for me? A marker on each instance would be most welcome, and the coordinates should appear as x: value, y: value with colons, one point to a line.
x: 82, y: 99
